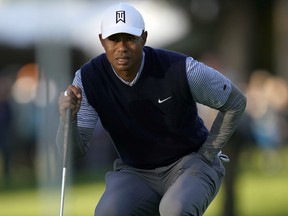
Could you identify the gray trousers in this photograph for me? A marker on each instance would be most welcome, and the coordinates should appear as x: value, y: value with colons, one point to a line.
x: 185, y: 187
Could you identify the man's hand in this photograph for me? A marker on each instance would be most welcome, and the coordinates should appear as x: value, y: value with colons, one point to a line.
x: 208, y: 153
x: 70, y: 99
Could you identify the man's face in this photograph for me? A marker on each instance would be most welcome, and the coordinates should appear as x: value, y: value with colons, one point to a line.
x: 124, y: 51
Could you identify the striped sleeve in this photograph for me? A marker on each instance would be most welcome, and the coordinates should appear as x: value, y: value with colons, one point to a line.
x: 208, y: 86
x: 87, y: 117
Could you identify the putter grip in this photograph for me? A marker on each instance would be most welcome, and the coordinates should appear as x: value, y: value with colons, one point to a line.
x: 67, y: 128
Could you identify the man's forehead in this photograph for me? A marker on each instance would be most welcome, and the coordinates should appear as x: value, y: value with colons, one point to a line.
x: 122, y: 35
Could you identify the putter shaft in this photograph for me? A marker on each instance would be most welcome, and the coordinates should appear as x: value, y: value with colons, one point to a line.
x: 65, y: 150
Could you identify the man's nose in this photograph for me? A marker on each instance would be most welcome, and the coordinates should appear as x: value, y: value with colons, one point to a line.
x: 122, y: 44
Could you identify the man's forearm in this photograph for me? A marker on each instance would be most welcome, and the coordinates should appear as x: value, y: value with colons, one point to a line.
x: 79, y: 140
x: 225, y: 122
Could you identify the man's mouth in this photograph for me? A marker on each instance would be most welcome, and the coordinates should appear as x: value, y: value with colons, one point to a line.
x: 122, y: 60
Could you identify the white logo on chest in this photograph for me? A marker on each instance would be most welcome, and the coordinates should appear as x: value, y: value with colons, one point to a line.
x: 161, y: 101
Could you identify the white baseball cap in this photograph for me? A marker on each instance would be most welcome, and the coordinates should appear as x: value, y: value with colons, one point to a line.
x: 122, y: 18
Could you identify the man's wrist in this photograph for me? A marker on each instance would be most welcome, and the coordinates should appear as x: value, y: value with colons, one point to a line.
x: 209, y: 153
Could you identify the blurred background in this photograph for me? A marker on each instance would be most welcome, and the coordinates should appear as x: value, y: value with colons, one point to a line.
x: 43, y: 43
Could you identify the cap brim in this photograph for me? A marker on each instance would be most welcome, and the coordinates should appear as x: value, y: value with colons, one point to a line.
x: 121, y: 29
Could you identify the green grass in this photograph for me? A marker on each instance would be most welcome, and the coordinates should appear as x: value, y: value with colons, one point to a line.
x: 79, y: 200
x: 259, y: 194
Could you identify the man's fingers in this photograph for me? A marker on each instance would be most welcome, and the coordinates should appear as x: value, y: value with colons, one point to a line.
x: 70, y: 99
x: 76, y: 90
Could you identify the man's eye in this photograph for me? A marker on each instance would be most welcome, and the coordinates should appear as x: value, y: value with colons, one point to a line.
x: 132, y: 38
x: 114, y: 39
x: 126, y: 39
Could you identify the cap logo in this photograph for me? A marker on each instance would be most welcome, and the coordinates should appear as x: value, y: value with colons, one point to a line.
x: 120, y: 16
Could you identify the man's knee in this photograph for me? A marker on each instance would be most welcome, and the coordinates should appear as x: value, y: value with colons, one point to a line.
x: 118, y: 210
x: 176, y: 207
x: 115, y: 204
x: 111, y: 208
x: 170, y: 208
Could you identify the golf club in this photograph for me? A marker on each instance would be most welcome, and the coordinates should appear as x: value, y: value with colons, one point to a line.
x: 65, y: 150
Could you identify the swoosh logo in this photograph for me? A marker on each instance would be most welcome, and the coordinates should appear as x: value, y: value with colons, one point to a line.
x: 161, y: 101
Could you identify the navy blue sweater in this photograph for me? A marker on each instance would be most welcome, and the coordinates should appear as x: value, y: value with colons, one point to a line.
x: 146, y: 134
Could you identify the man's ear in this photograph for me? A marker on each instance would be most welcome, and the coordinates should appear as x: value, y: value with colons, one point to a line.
x: 144, y: 36
x: 101, y: 39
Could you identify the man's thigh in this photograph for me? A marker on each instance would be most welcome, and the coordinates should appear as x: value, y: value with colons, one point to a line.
x: 127, y: 194
x: 194, y: 189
